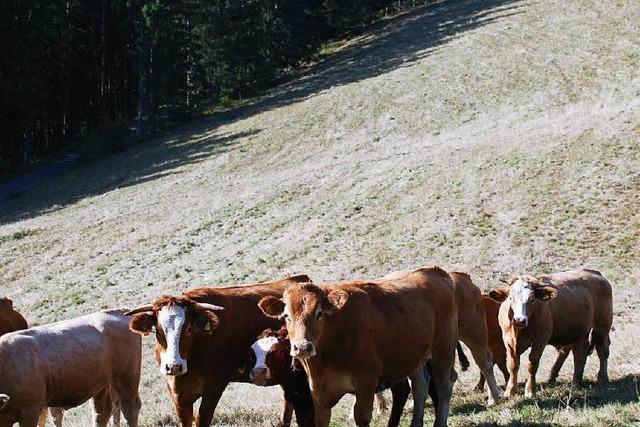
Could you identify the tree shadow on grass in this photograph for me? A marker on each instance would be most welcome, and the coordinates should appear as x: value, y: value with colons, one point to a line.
x: 387, y: 45
x: 146, y: 162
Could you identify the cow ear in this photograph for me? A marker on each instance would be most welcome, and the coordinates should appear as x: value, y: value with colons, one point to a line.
x: 337, y: 299
x: 498, y: 295
x: 143, y: 323
x: 271, y: 307
x: 205, y: 321
x: 545, y: 293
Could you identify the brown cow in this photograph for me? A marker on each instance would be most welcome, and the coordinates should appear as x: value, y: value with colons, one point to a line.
x: 68, y: 363
x: 472, y: 327
x: 560, y: 309
x: 203, y: 339
x: 358, y: 337
x: 495, y: 342
x: 10, y: 320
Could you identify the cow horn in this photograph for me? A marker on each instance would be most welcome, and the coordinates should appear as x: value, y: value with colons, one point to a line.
x: 503, y: 280
x: 143, y: 309
x: 209, y: 307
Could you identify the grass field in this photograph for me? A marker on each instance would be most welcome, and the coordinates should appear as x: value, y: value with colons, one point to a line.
x: 492, y: 137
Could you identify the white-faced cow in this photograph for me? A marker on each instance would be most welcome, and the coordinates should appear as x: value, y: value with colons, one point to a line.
x: 203, y: 340
x: 358, y: 337
x: 64, y: 364
x: 560, y: 309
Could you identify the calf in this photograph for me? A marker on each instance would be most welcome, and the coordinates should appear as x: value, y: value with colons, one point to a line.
x: 68, y: 363
x: 359, y: 337
x: 560, y: 309
x: 274, y: 365
x: 203, y: 339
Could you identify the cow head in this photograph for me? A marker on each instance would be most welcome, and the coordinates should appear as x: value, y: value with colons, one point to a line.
x: 304, y: 308
x: 271, y: 354
x: 175, y: 320
x: 522, y: 295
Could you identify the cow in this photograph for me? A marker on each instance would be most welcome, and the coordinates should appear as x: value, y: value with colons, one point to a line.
x: 363, y: 336
x: 495, y: 342
x: 561, y: 310
x: 203, y: 339
x: 69, y: 362
x: 274, y: 365
x: 472, y: 327
x: 10, y: 320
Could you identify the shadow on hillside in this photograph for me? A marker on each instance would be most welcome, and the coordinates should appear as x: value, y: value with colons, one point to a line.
x: 621, y: 391
x: 391, y: 44
x: 148, y: 161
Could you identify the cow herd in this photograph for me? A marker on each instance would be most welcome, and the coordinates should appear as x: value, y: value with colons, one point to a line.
x: 317, y: 341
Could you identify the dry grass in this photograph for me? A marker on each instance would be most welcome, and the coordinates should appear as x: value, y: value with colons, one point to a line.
x: 488, y: 136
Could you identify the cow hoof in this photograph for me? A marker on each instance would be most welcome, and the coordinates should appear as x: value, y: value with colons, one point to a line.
x: 528, y: 394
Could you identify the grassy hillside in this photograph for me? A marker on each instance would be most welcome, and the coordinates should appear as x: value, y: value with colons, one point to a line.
x: 493, y: 137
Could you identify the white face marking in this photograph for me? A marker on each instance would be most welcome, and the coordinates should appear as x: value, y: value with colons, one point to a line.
x: 520, y: 293
x: 172, y: 320
x: 261, y: 348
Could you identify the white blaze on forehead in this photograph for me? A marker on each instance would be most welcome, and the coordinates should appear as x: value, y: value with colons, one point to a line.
x: 171, y: 320
x: 520, y: 292
x: 261, y: 348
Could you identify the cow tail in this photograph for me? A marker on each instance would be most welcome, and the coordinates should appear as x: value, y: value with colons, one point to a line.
x: 464, y: 362
x: 591, y: 344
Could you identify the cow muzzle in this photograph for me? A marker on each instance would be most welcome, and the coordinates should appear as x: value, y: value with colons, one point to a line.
x: 520, y: 322
x: 260, y: 376
x: 174, y: 369
x: 303, y: 349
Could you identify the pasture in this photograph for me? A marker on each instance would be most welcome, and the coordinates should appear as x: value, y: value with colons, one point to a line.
x: 492, y: 137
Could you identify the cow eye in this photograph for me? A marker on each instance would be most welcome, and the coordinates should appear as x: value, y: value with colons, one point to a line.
x: 286, y: 318
x: 319, y: 315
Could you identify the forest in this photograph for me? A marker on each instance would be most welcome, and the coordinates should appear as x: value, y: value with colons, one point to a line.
x: 68, y: 68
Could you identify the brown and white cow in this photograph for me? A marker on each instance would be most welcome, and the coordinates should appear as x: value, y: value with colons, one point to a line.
x: 472, y: 326
x: 203, y: 339
x: 359, y: 337
x: 66, y: 363
x: 274, y: 365
x: 560, y: 309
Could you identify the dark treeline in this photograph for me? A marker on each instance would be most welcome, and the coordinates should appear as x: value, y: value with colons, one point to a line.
x: 69, y: 67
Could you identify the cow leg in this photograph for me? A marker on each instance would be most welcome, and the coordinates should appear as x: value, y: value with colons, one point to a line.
x: 115, y: 413
x: 210, y: 399
x: 480, y: 384
x: 57, y: 414
x: 600, y: 339
x: 532, y: 368
x: 287, y: 411
x: 444, y: 376
x: 322, y: 415
x: 363, y: 408
x: 102, y: 406
x: 513, y: 364
x: 502, y: 365
x: 563, y: 353
x: 29, y: 417
x: 399, y: 394
x: 42, y: 421
x: 482, y: 357
x: 419, y: 389
x: 580, y: 353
